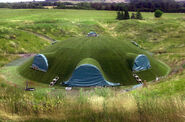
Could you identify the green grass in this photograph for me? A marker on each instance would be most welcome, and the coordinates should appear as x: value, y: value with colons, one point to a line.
x: 6, y: 58
x: 12, y: 77
x: 168, y: 87
x: 99, y: 104
x: 14, y: 42
x: 17, y: 42
x: 164, y: 34
x: 160, y: 101
x: 115, y: 57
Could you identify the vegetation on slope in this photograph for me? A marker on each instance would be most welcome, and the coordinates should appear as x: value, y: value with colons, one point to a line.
x: 99, y: 104
x: 15, y: 41
x: 163, y: 37
x: 114, y: 56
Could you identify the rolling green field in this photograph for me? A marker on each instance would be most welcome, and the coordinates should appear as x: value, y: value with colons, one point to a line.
x: 26, y: 31
x: 164, y: 35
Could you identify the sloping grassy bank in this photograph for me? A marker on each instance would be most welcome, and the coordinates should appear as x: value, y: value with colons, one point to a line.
x: 14, y: 42
x: 162, y: 101
x: 163, y: 36
x: 153, y: 103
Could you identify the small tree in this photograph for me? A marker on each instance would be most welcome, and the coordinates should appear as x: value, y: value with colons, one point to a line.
x: 158, y: 13
x: 118, y: 15
x: 122, y: 15
x: 126, y: 16
x: 133, y: 16
x: 138, y: 15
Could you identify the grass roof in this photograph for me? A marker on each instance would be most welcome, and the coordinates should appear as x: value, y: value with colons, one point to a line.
x: 112, y: 56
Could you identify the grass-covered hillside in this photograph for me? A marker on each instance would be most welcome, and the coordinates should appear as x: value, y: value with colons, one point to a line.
x: 163, y: 36
x: 116, y: 58
x: 21, y: 30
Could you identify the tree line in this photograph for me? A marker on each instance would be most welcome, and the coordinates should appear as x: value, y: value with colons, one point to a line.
x: 133, y: 5
x: 124, y: 14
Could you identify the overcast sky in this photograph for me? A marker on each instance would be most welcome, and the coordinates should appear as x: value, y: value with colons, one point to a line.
x: 17, y: 0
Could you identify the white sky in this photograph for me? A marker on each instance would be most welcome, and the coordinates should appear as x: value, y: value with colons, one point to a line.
x: 17, y: 0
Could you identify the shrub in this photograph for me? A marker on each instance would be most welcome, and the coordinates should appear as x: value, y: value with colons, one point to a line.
x: 138, y: 15
x: 122, y: 16
x: 126, y: 16
x: 133, y: 16
x: 158, y: 13
x: 118, y: 15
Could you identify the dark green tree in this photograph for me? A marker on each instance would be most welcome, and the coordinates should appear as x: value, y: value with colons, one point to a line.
x: 158, y: 13
x: 138, y: 15
x: 122, y: 16
x: 118, y: 15
x: 133, y: 16
x: 126, y: 16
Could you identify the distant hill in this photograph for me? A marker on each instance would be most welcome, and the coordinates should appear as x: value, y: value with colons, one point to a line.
x: 108, y: 1
x: 180, y: 0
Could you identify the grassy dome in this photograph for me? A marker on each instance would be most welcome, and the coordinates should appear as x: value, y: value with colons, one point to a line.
x: 113, y: 57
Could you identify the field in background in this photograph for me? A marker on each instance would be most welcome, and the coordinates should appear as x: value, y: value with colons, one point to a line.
x: 164, y: 37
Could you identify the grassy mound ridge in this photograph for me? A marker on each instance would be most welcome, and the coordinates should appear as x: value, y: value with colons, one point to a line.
x: 116, y: 58
x: 14, y: 41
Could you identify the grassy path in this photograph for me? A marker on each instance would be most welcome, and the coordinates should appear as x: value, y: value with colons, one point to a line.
x: 42, y: 36
x: 19, y: 61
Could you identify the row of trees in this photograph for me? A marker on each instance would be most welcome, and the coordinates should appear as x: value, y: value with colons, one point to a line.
x: 137, y: 15
x: 134, y: 5
x: 152, y: 5
x: 21, y: 5
x: 123, y: 15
